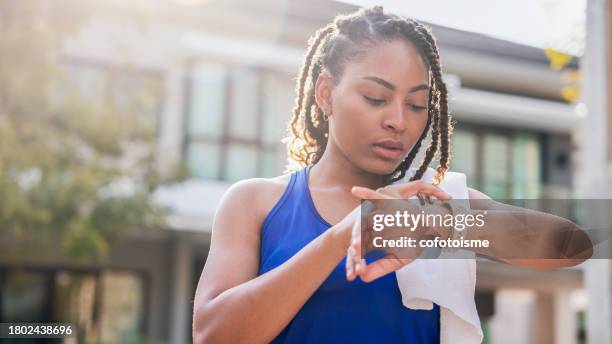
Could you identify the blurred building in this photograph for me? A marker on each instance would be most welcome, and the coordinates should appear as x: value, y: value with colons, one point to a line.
x: 224, y: 73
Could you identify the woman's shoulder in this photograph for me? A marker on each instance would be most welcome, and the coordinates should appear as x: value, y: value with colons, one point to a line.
x: 260, y: 186
x: 243, y: 208
x: 259, y: 193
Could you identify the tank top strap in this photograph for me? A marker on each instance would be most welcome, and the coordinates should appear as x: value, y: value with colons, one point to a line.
x: 296, y: 194
x: 293, y: 177
x: 291, y: 223
x: 306, y: 197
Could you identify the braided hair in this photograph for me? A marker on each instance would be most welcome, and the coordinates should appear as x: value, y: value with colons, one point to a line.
x: 347, y: 38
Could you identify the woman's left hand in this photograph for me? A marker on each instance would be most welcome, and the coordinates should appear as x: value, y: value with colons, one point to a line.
x: 355, y: 265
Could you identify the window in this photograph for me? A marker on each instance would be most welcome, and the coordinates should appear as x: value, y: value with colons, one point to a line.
x: 121, y: 306
x: 74, y: 300
x: 236, y: 117
x: 502, y: 163
x: 134, y: 93
x: 207, y: 103
x: 23, y: 296
x: 464, y: 156
x: 105, y: 305
x: 526, y: 167
x: 495, y: 160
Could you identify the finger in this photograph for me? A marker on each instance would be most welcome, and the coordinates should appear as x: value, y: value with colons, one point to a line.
x: 421, y: 200
x: 356, y: 234
x: 358, y: 260
x: 432, y: 190
x: 413, y: 188
x: 357, y: 253
x: 424, y: 198
x: 390, y: 191
x: 350, y: 272
x: 366, y: 193
x: 350, y: 267
x: 356, y: 269
x: 382, y: 267
x: 362, y: 266
x: 354, y: 252
x: 359, y: 265
x: 383, y: 189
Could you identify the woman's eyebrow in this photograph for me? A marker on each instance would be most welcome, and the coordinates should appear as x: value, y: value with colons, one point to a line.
x: 419, y: 88
x: 390, y: 86
x: 380, y: 81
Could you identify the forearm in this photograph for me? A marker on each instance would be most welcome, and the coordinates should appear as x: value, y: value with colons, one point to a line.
x: 257, y: 310
x: 531, y: 238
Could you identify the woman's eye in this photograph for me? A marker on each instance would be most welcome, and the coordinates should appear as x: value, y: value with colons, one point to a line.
x: 417, y: 108
x: 374, y: 101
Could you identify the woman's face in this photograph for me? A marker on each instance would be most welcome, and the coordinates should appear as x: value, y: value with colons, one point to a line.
x: 379, y: 108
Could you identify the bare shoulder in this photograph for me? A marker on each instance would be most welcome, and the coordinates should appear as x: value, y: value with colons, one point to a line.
x: 256, y: 195
x: 243, y: 208
x: 235, y: 238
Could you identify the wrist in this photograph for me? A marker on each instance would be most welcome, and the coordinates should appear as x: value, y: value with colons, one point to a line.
x: 339, y: 237
x: 444, y: 232
x: 456, y: 231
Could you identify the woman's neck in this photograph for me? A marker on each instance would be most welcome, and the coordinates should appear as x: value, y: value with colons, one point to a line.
x: 335, y: 170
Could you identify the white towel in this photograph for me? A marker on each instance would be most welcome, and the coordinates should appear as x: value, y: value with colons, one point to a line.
x: 450, y: 283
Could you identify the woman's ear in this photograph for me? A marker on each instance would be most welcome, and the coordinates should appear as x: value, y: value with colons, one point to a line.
x: 323, y: 91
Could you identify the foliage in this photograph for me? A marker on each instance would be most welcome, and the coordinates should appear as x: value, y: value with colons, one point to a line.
x: 76, y: 173
x: 559, y: 61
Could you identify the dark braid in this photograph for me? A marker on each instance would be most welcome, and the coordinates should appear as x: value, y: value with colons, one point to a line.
x: 300, y: 142
x: 405, y: 164
x: 316, y: 137
x: 441, y: 128
x: 446, y: 125
x: 347, y: 38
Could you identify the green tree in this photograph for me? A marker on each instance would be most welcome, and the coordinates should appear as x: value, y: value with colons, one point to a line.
x: 75, y: 173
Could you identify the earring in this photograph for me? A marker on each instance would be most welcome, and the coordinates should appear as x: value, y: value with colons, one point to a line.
x: 325, y: 117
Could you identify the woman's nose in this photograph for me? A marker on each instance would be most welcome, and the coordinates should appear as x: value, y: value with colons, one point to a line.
x: 394, y: 118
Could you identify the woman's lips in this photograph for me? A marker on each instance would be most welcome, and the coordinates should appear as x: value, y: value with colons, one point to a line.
x: 387, y: 153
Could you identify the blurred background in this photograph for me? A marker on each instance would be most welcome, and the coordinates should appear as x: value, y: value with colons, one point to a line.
x: 122, y: 123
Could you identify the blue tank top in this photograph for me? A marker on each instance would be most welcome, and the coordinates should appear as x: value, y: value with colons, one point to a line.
x: 339, y: 311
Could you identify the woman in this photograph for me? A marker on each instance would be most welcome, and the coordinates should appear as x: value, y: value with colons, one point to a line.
x: 369, y: 91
